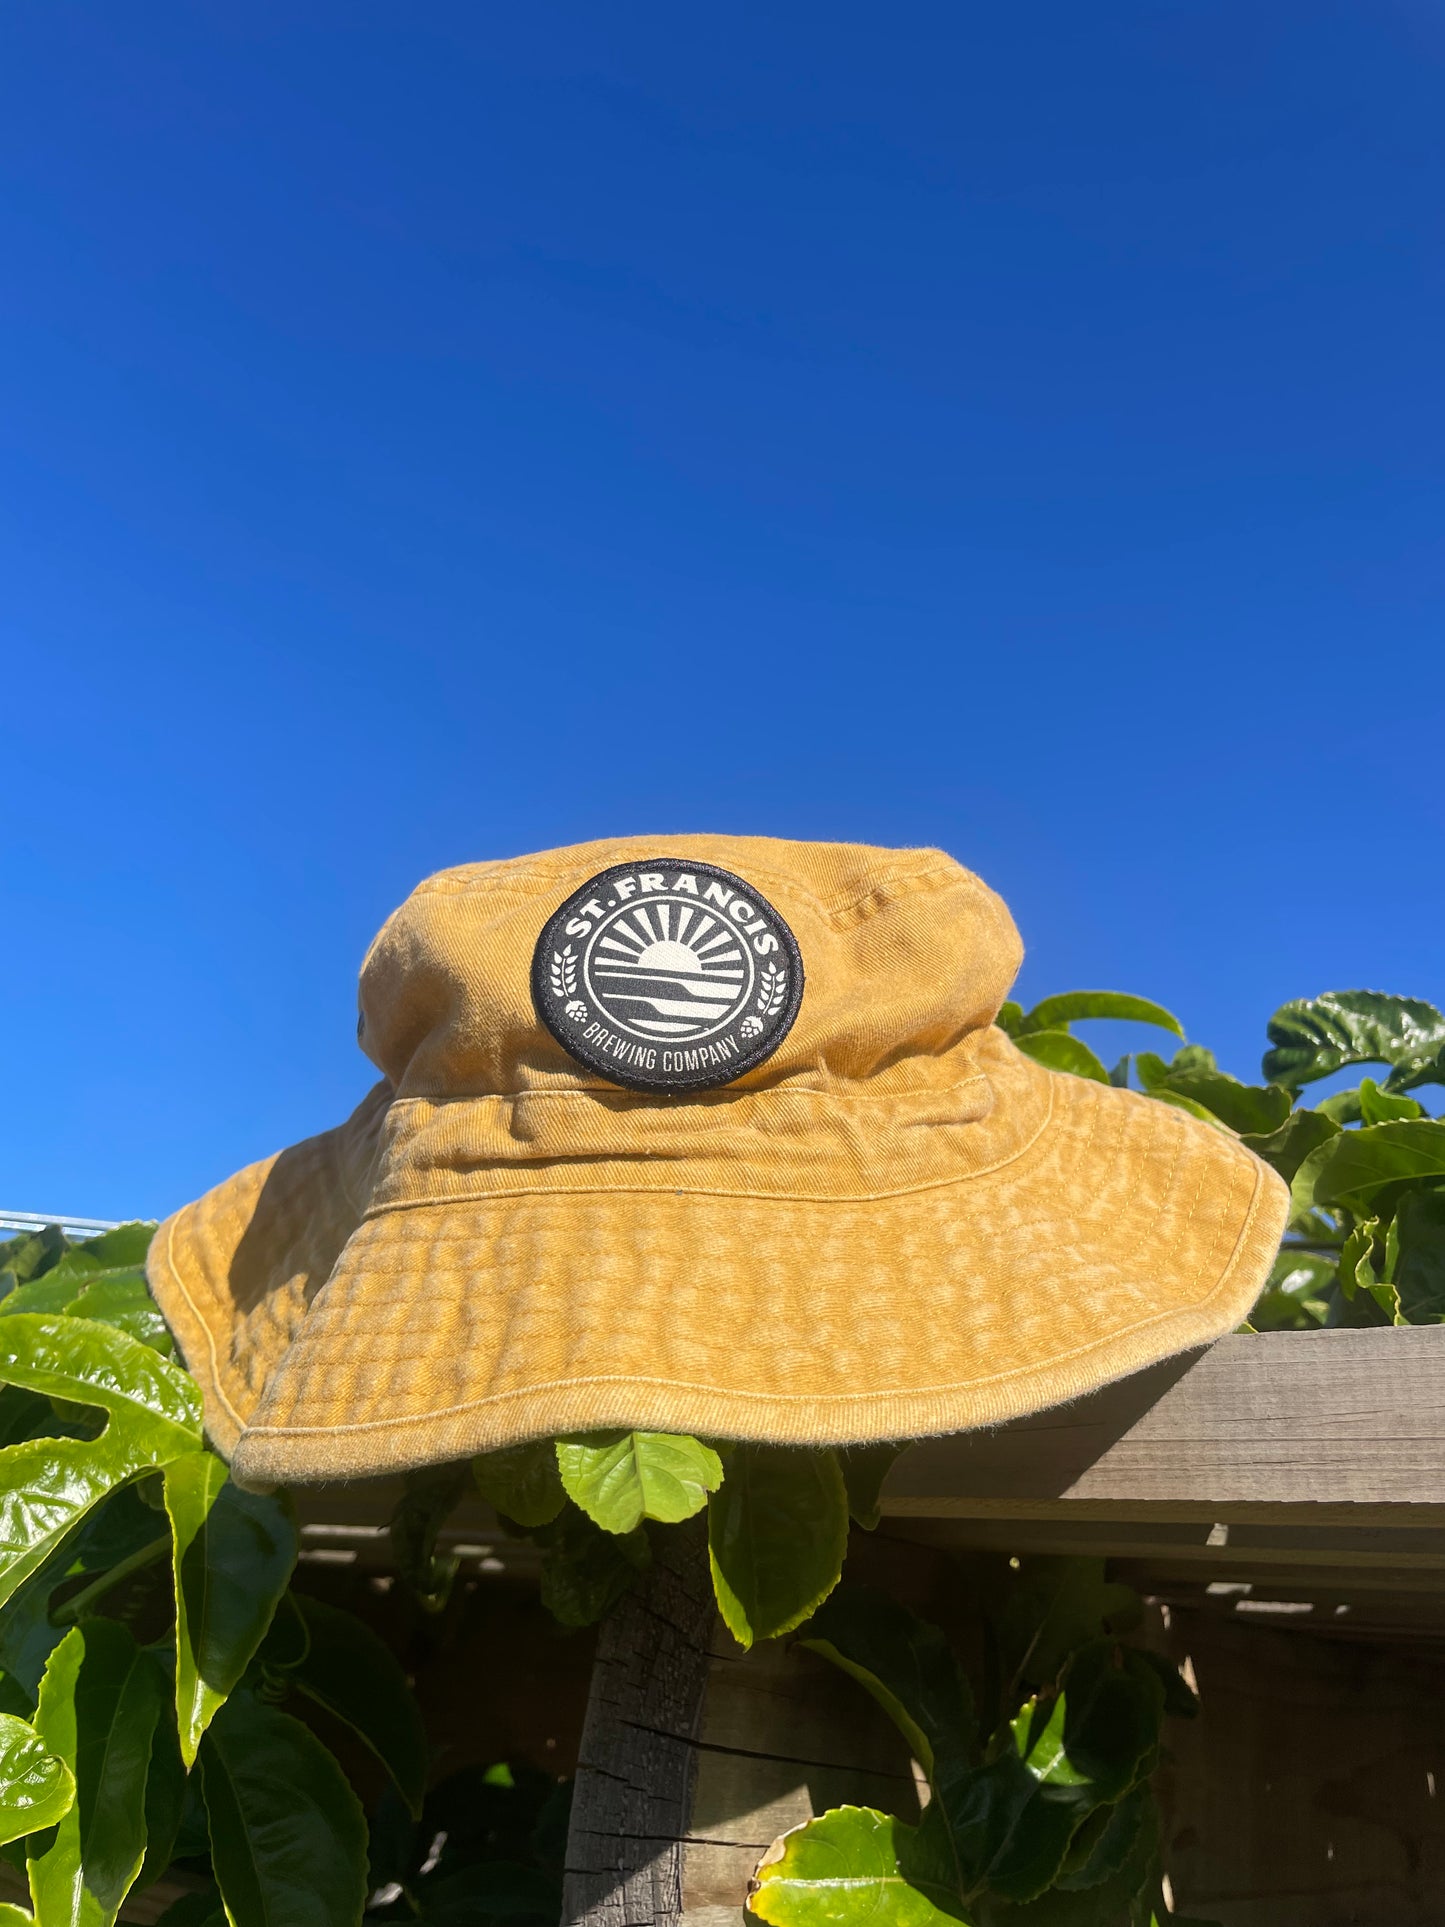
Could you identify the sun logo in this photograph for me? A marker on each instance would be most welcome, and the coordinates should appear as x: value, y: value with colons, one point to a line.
x: 668, y: 969
x: 667, y: 977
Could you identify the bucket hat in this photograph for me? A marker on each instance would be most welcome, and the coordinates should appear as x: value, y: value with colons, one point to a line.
x: 700, y: 1134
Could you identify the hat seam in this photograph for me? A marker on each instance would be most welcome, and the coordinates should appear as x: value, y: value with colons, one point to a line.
x: 638, y: 1098
x: 217, y: 1387
x: 217, y: 1379
x: 1113, y: 1340
x: 948, y: 870
x: 713, y: 1191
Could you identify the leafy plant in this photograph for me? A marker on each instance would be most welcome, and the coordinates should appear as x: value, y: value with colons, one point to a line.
x: 153, y: 1659
x: 1040, y: 1814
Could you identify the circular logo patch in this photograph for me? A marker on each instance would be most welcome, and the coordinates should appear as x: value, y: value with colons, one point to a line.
x: 667, y: 976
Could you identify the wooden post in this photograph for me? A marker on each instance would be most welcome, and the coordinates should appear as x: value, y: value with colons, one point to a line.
x: 638, y: 1756
x: 695, y: 1755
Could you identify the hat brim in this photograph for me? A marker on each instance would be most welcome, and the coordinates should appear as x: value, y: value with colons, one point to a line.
x: 1125, y: 1231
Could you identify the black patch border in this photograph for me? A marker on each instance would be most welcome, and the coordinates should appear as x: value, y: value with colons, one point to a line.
x: 698, y: 1080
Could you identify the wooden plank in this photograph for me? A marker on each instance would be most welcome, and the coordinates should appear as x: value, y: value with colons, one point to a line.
x: 1352, y: 1418
x: 1227, y: 1548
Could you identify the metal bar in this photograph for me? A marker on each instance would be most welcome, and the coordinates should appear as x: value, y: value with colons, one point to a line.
x: 13, y: 1221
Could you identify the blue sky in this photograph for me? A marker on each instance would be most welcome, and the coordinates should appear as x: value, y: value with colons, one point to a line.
x: 433, y: 433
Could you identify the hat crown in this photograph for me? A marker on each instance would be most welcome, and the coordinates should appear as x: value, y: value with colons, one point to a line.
x: 904, y: 953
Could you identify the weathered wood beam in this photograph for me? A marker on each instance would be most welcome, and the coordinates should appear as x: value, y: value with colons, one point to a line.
x: 1349, y: 1418
x: 1197, y: 1544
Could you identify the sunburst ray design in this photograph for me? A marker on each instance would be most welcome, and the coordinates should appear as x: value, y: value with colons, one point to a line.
x: 669, y: 970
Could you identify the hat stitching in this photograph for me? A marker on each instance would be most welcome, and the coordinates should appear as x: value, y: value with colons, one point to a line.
x: 1193, y: 1207
x: 374, y: 1212
x: 940, y: 874
x: 215, y: 1373
x: 573, y: 1092
x: 713, y: 1191
x: 791, y: 1398
x: 877, y: 894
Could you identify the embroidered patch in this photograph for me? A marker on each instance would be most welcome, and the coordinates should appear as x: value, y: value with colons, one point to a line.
x: 667, y: 976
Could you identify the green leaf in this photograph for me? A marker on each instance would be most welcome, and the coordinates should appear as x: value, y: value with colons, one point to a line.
x: 1383, y: 1107
x: 234, y: 1553
x: 165, y: 1800
x: 27, y: 1634
x: 12, y: 1916
x: 1163, y: 1094
x: 522, y: 1482
x: 29, y: 1253
x: 585, y: 1570
x: 50, y: 1485
x: 123, y: 1299
x: 865, y: 1470
x: 123, y: 1248
x: 428, y: 1499
x: 1313, y: 1037
x: 1010, y: 1016
x: 115, y: 1542
x: 1420, y: 1070
x: 777, y: 1532
x: 36, y: 1789
x: 48, y: 1294
x: 1012, y: 1820
x: 288, y: 1837
x: 1357, y: 1164
x: 1074, y: 1006
x: 99, y: 1702
x: 1010, y: 1826
x: 68, y: 1358
x: 1047, y: 1608
x: 1367, y: 1266
x: 1342, y: 1106
x: 1061, y: 1052
x: 1420, y: 1263
x: 1286, y: 1149
x: 1109, y: 1841
x: 285, y: 1645
x: 1113, y: 1708
x: 1193, y: 1057
x: 856, y: 1865
x: 621, y: 1478
x: 1254, y: 1108
x: 352, y: 1672
x: 193, y: 1839
x: 1099, y: 1889
x: 906, y: 1665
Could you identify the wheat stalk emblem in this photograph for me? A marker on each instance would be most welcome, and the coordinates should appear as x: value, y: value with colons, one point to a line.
x: 563, y: 972
x: 773, y: 989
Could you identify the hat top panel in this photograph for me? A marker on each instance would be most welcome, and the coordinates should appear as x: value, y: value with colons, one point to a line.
x: 904, y: 952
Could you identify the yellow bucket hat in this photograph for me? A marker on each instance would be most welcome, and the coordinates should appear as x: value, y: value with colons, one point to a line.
x: 700, y: 1134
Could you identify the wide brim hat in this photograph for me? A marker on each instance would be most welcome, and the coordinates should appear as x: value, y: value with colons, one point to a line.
x: 834, y: 1204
